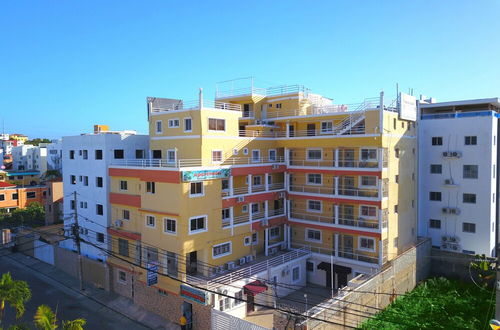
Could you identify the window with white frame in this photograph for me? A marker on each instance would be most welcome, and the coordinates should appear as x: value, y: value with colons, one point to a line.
x: 368, y: 211
x: 225, y: 184
x: 272, y: 155
x: 150, y: 187
x: 235, y: 152
x: 368, y: 154
x: 314, y: 206
x: 196, y: 189
x: 370, y: 181
x: 216, y: 156
x: 314, y: 178
x: 245, y: 151
x: 296, y: 274
x: 126, y: 214
x: 257, y: 180
x: 239, y: 298
x: 366, y: 243
x: 173, y: 123
x: 197, y: 224
x: 159, y: 128
x: 314, y: 154
x: 255, y: 208
x: 247, y: 240
x: 171, y: 156
x: 123, y: 185
x: 169, y: 226
x: 188, y: 125
x: 255, y: 238
x: 274, y: 232
x: 221, y: 250
x: 256, y: 155
x: 226, y: 214
x: 215, y: 124
x: 326, y: 127
x: 150, y: 221
x: 224, y: 303
x: 122, y: 276
x: 313, y: 235
x: 244, y: 208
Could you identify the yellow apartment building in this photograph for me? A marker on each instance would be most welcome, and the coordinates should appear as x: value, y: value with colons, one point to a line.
x: 258, y: 193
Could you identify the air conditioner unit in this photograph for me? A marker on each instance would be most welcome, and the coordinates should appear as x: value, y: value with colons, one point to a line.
x: 448, y: 181
x: 455, y: 247
x: 445, y: 238
x: 241, y: 199
x: 446, y: 210
x: 455, y: 211
x: 231, y: 265
x: 281, y: 195
x: 274, y: 250
x: 444, y: 246
x: 264, y: 222
x: 243, y: 261
x: 258, y: 122
x: 220, y: 269
x: 249, y: 258
x: 454, y: 239
x: 276, y: 166
x: 118, y: 223
x: 456, y: 154
x: 221, y: 290
x: 446, y: 154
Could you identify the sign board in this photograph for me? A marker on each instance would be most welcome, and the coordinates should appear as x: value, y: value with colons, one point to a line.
x: 193, y: 294
x: 407, y: 107
x: 152, y: 275
x: 188, y: 176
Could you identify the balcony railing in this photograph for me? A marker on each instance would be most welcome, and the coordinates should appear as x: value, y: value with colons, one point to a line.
x: 360, y: 222
x: 276, y: 186
x: 276, y: 212
x: 340, y: 191
x: 333, y: 163
x: 313, y: 189
x: 241, y: 219
x: 179, y: 163
x: 271, y: 91
x: 195, y: 104
x: 301, y: 133
x: 344, y: 253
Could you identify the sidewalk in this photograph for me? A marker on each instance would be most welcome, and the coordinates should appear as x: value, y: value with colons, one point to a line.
x: 111, y: 301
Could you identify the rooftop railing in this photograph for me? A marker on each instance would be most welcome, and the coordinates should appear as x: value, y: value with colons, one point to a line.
x: 271, y: 91
x: 179, y: 163
x: 195, y: 104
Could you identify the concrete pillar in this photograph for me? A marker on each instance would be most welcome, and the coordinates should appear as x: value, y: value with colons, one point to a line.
x: 287, y: 157
x: 288, y: 208
x: 266, y: 241
x: 380, y: 219
x: 231, y: 216
x: 336, y: 209
x: 231, y: 187
x: 266, y: 181
x: 336, y: 245
x: 336, y: 183
x: 287, y: 129
x: 336, y: 158
x: 250, y: 212
x: 249, y: 183
x: 266, y: 209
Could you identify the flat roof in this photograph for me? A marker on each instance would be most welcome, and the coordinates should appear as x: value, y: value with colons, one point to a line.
x: 494, y: 100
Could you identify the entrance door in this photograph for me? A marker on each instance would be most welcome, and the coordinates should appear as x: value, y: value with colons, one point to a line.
x: 341, y: 279
x: 348, y: 246
x: 347, y: 217
x: 264, y: 111
x: 187, y: 311
x: 348, y: 158
x: 291, y: 130
x: 278, y: 204
x: 192, y: 263
x: 246, y: 110
x: 311, y: 129
x: 250, y: 303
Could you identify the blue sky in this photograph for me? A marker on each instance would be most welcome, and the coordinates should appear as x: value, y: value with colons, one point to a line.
x: 66, y: 65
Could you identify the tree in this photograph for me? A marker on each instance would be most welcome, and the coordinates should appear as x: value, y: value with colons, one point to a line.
x: 15, y: 293
x: 37, y: 141
x: 45, y: 319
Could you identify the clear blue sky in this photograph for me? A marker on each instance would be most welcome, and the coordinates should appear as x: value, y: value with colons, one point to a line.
x: 66, y: 65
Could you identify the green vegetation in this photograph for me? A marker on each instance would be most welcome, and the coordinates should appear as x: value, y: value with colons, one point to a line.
x: 32, y: 216
x: 438, y: 303
x: 45, y: 319
x: 37, y: 141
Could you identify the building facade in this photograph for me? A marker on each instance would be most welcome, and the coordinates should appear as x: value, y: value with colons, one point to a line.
x: 85, y: 170
x: 53, y: 203
x: 54, y: 156
x: 458, y: 171
x: 234, y: 185
x: 14, y: 197
x: 30, y: 158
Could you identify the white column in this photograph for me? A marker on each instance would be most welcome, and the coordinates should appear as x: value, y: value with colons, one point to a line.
x: 231, y: 190
x: 336, y: 220
x: 249, y: 183
x: 380, y: 158
x: 287, y: 157
x: 289, y: 243
x: 266, y: 178
x: 266, y: 209
x: 336, y: 185
x: 380, y: 219
x: 287, y: 181
x: 266, y: 241
x: 336, y: 245
x: 380, y: 183
x: 287, y: 129
x: 380, y: 252
x: 231, y: 213
x: 250, y: 212
x: 288, y: 209
x: 336, y: 157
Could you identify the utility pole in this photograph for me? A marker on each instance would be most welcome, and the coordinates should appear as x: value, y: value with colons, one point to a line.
x: 76, y: 235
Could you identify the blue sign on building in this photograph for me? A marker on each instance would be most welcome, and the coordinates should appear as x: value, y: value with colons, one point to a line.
x: 152, y: 275
x: 188, y: 176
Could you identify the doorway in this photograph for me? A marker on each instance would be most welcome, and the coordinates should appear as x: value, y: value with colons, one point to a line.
x: 192, y: 263
x: 250, y: 303
x: 291, y: 130
x: 187, y: 311
x: 311, y: 129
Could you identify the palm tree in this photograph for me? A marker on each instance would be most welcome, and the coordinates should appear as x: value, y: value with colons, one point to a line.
x: 15, y: 293
x: 45, y: 319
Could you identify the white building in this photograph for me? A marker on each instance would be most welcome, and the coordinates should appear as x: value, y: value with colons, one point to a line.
x: 458, y: 174
x: 85, y: 170
x: 28, y: 157
x: 54, y: 155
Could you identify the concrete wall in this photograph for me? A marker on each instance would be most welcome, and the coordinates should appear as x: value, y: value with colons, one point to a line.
x: 451, y: 265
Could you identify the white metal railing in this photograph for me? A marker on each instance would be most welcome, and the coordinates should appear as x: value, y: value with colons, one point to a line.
x: 195, y: 104
x: 195, y: 162
x: 342, y: 163
x: 341, y: 190
x: 271, y: 91
x: 241, y: 219
x: 258, y: 188
x: 240, y: 190
x: 313, y: 189
x: 301, y: 214
x: 247, y: 114
x: 276, y: 212
x: 276, y: 186
x: 258, y: 215
x: 351, y: 254
x: 357, y: 192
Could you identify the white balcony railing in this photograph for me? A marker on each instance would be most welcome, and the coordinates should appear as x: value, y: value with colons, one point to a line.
x: 195, y: 104
x: 301, y: 214
x: 179, y: 163
x: 333, y: 163
x: 341, y: 253
x: 271, y: 91
x: 340, y: 191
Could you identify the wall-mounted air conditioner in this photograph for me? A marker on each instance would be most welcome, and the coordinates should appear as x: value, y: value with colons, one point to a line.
x: 241, y: 199
x: 231, y: 265
x: 118, y: 223
x: 242, y: 261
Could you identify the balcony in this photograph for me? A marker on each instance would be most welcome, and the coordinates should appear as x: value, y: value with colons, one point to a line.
x: 340, y: 220
x: 252, y: 217
x: 339, y: 254
x: 337, y: 191
x: 180, y: 163
x: 168, y: 105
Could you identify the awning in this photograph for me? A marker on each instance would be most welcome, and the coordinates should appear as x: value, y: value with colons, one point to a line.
x: 254, y: 288
x: 326, y: 266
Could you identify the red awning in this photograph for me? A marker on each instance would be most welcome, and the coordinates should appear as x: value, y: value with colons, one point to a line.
x: 255, y: 287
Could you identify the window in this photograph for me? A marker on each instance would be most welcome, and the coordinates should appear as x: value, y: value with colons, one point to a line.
x: 278, y: 105
x: 436, y: 168
x: 247, y: 241
x: 326, y: 127
x: 314, y: 206
x: 396, y: 208
x: 72, y: 204
x: 196, y: 189
x: 226, y: 214
x: 156, y: 154
x: 98, y: 181
x: 368, y: 154
x: 296, y: 274
x: 366, y: 243
x: 238, y: 298
x: 434, y: 224
x: 235, y: 152
x: 30, y: 194
x: 244, y: 208
x: 150, y: 187
x: 225, y: 184
x: 216, y: 156
x: 470, y: 171
x: 224, y: 303
x: 309, y: 266
x: 72, y: 179
x: 434, y: 196
x: 159, y: 127
x: 255, y: 238
x: 139, y: 154
x: 169, y: 226
x: 394, y: 123
x: 150, y: 221
x: 2, y: 197
x: 119, y: 154
x: 99, y: 209
x: 437, y: 140
x: 314, y: 178
x: 313, y: 235
x: 71, y: 154
x: 126, y: 214
x: 368, y: 211
x: 171, y: 156
x: 274, y: 232
x: 255, y: 155
x: 257, y: 180
x: 122, y: 276
x: 85, y: 180
x: 272, y: 155
x: 255, y: 207
x: 215, y: 124
x: 197, y: 224
x: 173, y: 123
x: 468, y: 227
x: 123, y: 185
x: 245, y: 151
x: 85, y: 154
x: 188, y: 125
x: 368, y: 181
x: 469, y: 198
x: 221, y: 250
x: 15, y: 196
x: 471, y: 140
x: 314, y: 154
x: 123, y: 247
x: 396, y: 178
x: 396, y: 152
x: 100, y: 237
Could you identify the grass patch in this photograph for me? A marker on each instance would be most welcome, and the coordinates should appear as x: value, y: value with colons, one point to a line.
x: 438, y: 303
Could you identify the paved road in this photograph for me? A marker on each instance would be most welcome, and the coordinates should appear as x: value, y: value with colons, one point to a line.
x: 69, y: 304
